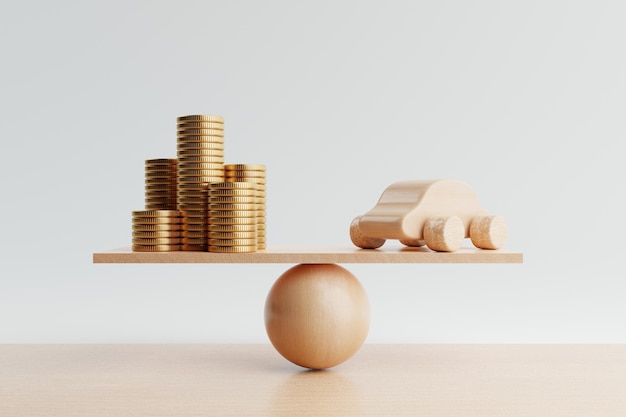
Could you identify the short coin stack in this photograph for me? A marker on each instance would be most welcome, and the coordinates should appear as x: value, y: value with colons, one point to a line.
x: 200, y: 151
x: 232, y: 217
x: 161, y: 184
x: 156, y: 230
x: 251, y: 173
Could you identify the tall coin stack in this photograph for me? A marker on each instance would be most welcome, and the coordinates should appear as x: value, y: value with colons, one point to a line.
x: 232, y: 217
x: 251, y: 173
x: 161, y: 184
x: 200, y: 151
x: 157, y: 230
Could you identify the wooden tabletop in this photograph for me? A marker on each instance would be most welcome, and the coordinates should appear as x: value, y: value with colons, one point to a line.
x: 254, y: 380
x: 306, y: 254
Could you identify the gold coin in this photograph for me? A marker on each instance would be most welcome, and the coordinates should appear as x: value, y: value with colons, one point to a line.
x: 154, y: 227
x: 160, y: 174
x: 195, y: 241
x: 260, y: 213
x: 167, y: 176
x: 230, y: 228
x: 233, y: 200
x: 194, y: 188
x: 190, y: 197
x: 232, y: 206
x: 156, y: 213
x: 158, y: 180
x: 161, y: 206
x: 198, y: 221
x: 260, y: 227
x: 245, y: 167
x: 232, y: 193
x: 200, y: 118
x: 261, y: 246
x: 161, y: 168
x: 201, y: 173
x: 193, y: 199
x: 156, y: 220
x: 232, y: 249
x: 193, y: 194
x: 232, y: 235
x: 165, y: 186
x: 195, y: 181
x: 193, y: 227
x: 232, y: 213
x: 200, y: 145
x: 233, y: 185
x: 191, y: 159
x: 200, y: 125
x: 232, y: 220
x: 195, y: 234
x: 200, y: 139
x: 156, y: 241
x: 195, y: 248
x: 195, y: 213
x: 157, y: 234
x: 200, y: 152
x: 160, y: 161
x: 200, y: 132
x: 232, y: 242
x: 193, y: 207
x: 190, y: 201
x: 161, y: 194
x: 257, y: 180
x: 192, y: 165
x: 241, y: 177
x: 237, y: 173
x: 156, y: 248
x: 161, y: 201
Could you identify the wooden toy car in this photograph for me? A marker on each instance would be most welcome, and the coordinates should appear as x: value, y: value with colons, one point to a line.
x: 437, y: 213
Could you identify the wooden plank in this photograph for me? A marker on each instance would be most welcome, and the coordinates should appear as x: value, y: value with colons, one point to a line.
x: 295, y: 255
x: 254, y: 380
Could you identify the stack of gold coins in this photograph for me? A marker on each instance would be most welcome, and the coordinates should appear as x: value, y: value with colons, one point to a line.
x: 157, y: 230
x: 161, y: 184
x: 200, y: 151
x: 251, y: 173
x: 232, y: 217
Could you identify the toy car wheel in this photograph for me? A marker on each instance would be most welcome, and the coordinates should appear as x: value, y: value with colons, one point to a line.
x: 414, y: 243
x: 444, y: 234
x: 361, y: 240
x: 488, y: 232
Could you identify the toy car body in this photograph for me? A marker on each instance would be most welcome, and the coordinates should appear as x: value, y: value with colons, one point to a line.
x: 438, y: 213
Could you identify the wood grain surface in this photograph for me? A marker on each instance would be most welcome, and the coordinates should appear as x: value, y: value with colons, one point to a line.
x: 254, y: 380
x: 305, y: 254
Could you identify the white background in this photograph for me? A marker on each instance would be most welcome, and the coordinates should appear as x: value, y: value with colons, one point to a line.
x: 523, y: 100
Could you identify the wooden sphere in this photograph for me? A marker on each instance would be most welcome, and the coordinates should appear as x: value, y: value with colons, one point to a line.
x: 317, y: 315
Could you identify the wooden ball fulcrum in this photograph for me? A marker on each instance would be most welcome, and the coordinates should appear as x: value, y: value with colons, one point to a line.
x: 317, y: 315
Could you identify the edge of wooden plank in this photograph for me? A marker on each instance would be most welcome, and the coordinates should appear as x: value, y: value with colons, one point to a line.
x: 295, y: 255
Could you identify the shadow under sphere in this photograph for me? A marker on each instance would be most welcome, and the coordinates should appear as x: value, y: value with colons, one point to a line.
x: 317, y: 315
